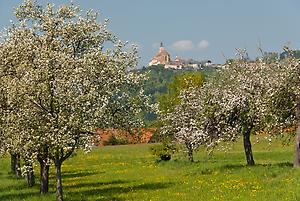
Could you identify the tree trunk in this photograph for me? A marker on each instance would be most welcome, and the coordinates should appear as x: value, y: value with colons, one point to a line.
x: 44, y: 169
x: 59, y: 190
x: 44, y: 177
x: 30, y: 176
x: 13, y: 161
x: 190, y: 153
x: 247, y: 146
x: 18, y: 166
x: 297, y: 138
x: 296, y: 148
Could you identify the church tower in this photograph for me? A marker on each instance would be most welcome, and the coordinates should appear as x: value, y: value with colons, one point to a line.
x: 161, y: 57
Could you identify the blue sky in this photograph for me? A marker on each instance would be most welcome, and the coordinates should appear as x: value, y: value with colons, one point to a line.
x: 198, y: 29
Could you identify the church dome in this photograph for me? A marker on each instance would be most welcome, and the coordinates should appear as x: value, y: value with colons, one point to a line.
x: 161, y: 57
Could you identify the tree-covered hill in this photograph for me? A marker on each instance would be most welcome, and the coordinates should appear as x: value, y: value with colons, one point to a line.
x: 159, y: 80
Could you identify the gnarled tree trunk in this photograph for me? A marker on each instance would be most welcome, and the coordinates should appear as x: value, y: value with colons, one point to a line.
x: 190, y: 152
x: 44, y: 169
x: 13, y: 160
x: 59, y: 190
x: 247, y: 146
x: 297, y: 138
x: 30, y: 175
x: 18, y: 166
x: 296, y: 148
x: 44, y: 177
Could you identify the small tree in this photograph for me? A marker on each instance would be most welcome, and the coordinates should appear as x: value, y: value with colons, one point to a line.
x: 176, y: 108
x: 182, y: 124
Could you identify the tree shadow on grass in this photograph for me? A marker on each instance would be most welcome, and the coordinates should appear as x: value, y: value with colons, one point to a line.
x: 233, y: 166
x: 17, y: 195
x: 111, y: 193
x: 19, y: 184
x: 71, y: 175
x: 104, y: 190
x: 240, y: 166
x: 94, y: 184
x: 282, y: 164
x: 68, y: 175
x: 21, y: 191
x: 21, y: 194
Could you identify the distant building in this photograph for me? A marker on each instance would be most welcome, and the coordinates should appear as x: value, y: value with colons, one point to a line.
x: 163, y: 57
x: 176, y: 64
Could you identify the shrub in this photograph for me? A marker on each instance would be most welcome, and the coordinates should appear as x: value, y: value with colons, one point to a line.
x: 163, y: 151
x: 114, y: 140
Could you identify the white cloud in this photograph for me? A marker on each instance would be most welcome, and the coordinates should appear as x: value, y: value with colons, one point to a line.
x: 203, y: 44
x: 183, y: 45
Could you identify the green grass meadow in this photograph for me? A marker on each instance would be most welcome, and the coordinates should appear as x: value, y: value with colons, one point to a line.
x: 130, y: 172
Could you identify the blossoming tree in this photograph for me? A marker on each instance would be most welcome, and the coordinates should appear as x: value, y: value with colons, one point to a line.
x: 241, y: 93
x: 182, y: 123
x: 284, y: 99
x: 69, y: 79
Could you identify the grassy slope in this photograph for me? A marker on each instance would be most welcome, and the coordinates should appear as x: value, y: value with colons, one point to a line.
x: 131, y: 173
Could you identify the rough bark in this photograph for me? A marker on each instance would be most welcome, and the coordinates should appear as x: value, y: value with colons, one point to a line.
x: 296, y: 148
x: 190, y: 153
x: 44, y: 169
x: 13, y: 160
x: 58, y: 159
x: 18, y: 166
x: 248, y: 147
x: 297, y: 139
x: 30, y: 176
x: 44, y: 177
x: 59, y: 190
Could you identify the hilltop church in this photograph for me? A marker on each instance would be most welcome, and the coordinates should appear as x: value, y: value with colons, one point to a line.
x: 163, y: 57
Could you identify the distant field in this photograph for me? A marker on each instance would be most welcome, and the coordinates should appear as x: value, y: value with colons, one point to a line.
x: 131, y: 173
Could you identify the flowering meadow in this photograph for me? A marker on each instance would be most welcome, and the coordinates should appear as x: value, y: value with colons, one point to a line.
x: 131, y: 172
